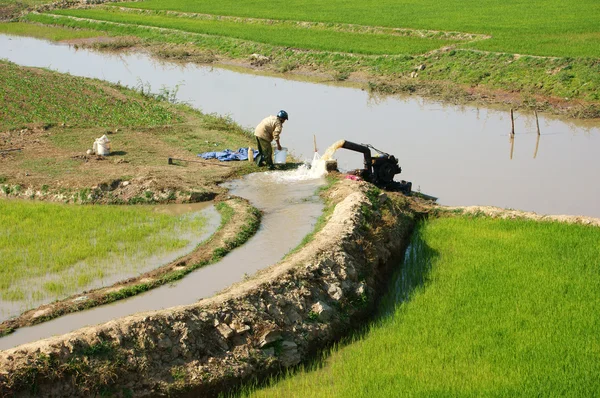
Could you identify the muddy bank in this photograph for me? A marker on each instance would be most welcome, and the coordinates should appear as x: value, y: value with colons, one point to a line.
x: 497, y: 212
x: 272, y: 321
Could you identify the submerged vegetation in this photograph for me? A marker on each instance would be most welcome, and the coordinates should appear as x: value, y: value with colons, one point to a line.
x: 482, y: 307
x: 52, y: 250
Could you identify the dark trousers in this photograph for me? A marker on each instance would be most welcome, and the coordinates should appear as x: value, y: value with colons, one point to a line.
x: 265, y: 152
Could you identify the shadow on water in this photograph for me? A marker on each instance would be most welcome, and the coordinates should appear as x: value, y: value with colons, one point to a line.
x: 411, y: 276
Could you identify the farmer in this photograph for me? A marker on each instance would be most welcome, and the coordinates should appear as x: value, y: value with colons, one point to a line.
x: 268, y: 130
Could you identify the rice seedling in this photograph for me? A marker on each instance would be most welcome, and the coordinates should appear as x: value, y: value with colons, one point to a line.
x: 270, y: 33
x: 539, y: 27
x: 481, y: 307
x: 46, y: 32
x: 50, y: 250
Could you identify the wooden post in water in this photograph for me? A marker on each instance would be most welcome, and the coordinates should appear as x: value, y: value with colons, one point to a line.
x: 537, y: 145
x: 512, y: 145
x: 537, y: 141
x: 512, y: 122
x: 315, y: 142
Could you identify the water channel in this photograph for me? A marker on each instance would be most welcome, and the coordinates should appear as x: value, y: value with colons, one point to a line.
x: 291, y: 208
x: 460, y: 154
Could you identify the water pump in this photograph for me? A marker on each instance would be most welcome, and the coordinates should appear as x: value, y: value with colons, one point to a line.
x: 379, y: 169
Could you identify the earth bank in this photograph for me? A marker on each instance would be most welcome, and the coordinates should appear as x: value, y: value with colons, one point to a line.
x: 275, y: 320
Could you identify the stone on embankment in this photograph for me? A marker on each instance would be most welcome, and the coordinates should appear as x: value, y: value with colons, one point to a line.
x: 225, y: 331
x: 324, y: 312
x: 269, y: 337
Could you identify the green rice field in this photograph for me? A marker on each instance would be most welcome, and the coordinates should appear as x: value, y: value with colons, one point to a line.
x: 50, y: 250
x: 276, y: 34
x: 548, y: 27
x: 485, y: 308
x: 46, y: 32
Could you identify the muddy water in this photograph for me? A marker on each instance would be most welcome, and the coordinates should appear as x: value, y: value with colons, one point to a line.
x: 290, y: 208
x: 462, y: 155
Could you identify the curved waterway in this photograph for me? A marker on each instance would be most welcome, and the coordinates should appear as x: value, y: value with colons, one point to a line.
x: 460, y: 154
x: 290, y: 206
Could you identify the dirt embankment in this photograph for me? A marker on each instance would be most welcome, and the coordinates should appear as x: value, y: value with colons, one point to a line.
x: 274, y: 320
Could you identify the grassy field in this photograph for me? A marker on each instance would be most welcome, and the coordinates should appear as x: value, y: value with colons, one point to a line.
x: 287, y: 35
x: 51, y: 250
x: 485, y: 308
x: 541, y: 54
x: 548, y: 27
x: 384, y: 44
x: 46, y: 32
x: 61, y: 116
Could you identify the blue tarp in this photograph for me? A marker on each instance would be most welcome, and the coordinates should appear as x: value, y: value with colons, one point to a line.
x: 228, y: 155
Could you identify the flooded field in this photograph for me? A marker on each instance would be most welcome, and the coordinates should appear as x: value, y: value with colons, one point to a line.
x: 463, y: 155
x: 115, y: 266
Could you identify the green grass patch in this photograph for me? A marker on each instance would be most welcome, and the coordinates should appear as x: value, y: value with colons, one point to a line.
x: 40, y: 96
x: 276, y: 34
x: 26, y: 3
x: 550, y: 77
x: 246, y: 232
x: 484, y: 308
x: 46, y: 32
x: 49, y: 250
x: 537, y: 27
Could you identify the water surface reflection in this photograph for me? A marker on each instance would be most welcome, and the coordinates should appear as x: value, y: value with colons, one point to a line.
x: 456, y: 153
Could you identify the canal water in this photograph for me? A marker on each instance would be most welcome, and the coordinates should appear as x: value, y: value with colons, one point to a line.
x: 290, y: 207
x: 459, y: 154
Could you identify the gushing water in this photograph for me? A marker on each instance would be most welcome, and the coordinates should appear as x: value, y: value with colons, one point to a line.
x: 331, y: 150
x: 316, y: 169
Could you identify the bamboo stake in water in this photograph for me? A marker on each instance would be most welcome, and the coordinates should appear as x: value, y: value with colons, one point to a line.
x: 537, y: 144
x: 512, y: 121
x: 537, y: 141
x: 512, y: 145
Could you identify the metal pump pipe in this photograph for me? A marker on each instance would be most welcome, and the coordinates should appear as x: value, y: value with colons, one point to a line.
x: 364, y: 150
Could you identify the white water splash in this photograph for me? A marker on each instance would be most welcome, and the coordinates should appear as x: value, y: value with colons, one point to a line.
x: 317, y: 169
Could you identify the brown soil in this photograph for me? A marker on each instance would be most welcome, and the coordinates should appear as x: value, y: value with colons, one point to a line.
x: 497, y: 212
x: 35, y: 164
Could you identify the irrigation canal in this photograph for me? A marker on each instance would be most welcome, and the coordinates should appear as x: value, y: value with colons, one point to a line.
x: 460, y: 154
x: 291, y: 208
